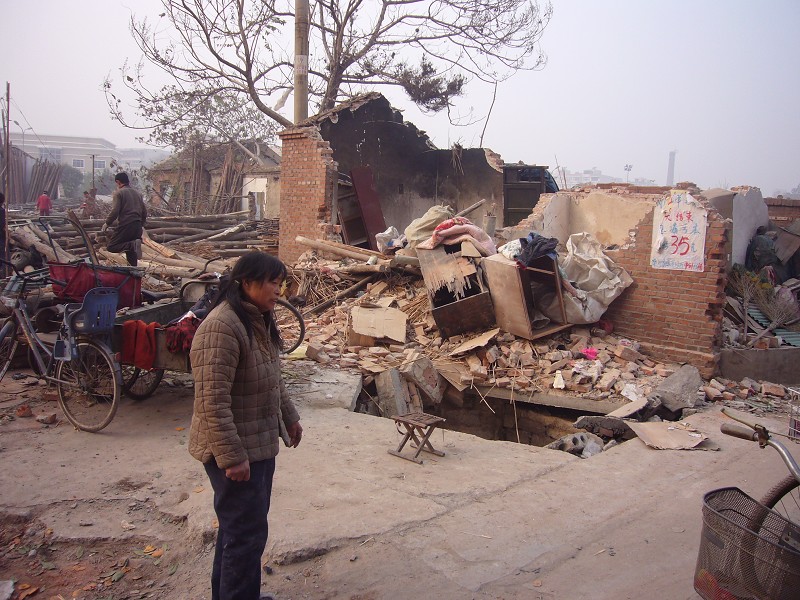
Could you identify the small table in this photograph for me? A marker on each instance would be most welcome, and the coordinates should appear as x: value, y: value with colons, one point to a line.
x: 419, y: 427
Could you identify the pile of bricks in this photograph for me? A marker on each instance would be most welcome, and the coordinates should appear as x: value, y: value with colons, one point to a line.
x: 583, y: 362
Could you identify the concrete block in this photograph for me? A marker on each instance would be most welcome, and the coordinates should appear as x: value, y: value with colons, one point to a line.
x: 679, y: 390
x: 773, y: 389
x: 425, y: 376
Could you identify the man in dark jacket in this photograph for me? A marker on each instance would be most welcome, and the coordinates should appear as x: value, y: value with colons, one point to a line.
x: 129, y: 211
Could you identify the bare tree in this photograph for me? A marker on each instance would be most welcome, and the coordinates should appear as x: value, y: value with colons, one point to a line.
x: 242, y: 49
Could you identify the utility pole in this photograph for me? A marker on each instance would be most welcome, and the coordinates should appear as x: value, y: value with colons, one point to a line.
x: 301, y: 26
x: 93, y: 186
x: 7, y: 191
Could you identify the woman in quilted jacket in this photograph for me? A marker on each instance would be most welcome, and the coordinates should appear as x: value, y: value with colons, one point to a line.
x: 240, y: 404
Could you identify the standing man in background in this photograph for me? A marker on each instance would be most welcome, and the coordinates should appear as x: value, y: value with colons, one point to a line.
x: 44, y: 205
x: 129, y: 211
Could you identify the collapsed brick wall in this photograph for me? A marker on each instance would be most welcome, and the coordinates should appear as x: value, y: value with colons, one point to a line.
x: 308, y: 177
x: 676, y: 315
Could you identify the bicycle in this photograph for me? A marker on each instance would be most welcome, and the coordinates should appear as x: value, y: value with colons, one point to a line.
x: 140, y: 384
x: 79, y: 361
x: 750, y: 549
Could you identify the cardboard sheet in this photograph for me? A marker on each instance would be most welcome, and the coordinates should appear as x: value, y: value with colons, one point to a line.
x: 668, y: 435
x: 476, y: 342
x: 379, y: 323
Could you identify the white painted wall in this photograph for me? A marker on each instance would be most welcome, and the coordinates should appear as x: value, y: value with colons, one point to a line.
x: 749, y: 213
x: 269, y: 185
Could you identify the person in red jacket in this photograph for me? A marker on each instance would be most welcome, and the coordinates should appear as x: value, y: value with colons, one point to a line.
x: 44, y: 205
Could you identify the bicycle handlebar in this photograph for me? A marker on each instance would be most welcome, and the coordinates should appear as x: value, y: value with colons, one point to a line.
x: 759, y: 433
x: 739, y: 432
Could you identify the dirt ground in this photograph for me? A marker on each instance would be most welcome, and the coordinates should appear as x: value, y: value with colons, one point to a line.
x: 126, y: 513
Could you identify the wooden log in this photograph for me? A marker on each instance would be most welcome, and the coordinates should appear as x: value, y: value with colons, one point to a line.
x: 153, y: 256
x: 343, y: 294
x: 25, y: 238
x: 469, y: 209
x: 363, y: 269
x: 162, y: 250
x: 349, y: 252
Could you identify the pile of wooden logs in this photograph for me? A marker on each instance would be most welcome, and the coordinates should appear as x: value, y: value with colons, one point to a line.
x: 173, y: 247
x: 45, y: 175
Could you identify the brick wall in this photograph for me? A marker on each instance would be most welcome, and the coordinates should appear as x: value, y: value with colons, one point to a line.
x: 308, y: 176
x: 676, y: 315
x: 783, y: 211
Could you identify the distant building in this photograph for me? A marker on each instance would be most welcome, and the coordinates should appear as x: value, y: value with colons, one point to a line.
x: 569, y: 179
x: 79, y: 152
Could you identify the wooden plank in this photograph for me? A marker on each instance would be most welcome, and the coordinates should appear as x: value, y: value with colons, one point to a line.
x: 599, y: 407
x: 393, y: 396
x: 442, y: 270
x: 369, y: 203
x: 508, y: 298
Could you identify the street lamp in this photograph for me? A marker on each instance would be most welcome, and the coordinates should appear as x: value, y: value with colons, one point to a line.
x: 627, y: 172
x: 23, y: 133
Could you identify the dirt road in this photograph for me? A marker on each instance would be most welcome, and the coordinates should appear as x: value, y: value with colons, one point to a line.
x: 126, y: 513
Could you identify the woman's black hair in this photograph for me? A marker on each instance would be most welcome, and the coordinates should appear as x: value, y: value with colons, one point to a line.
x: 253, y: 266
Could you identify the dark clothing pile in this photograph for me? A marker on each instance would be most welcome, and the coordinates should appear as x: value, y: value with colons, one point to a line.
x: 536, y: 246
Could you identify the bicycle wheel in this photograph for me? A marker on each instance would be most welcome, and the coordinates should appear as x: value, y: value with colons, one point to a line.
x: 291, y: 325
x: 8, y: 345
x: 89, y: 387
x: 140, y: 383
x: 784, y: 498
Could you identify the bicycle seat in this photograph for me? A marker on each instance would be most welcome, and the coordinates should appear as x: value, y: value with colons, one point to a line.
x: 96, y: 314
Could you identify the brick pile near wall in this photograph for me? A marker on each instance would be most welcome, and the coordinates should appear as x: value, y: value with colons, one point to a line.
x: 676, y: 315
x: 308, y: 177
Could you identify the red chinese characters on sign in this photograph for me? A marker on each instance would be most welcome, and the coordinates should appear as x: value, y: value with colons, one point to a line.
x: 679, y: 232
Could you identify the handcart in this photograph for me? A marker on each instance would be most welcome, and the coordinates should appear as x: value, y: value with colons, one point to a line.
x: 140, y: 382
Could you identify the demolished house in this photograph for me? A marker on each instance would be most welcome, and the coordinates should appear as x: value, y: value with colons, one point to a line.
x: 645, y: 293
x: 463, y: 286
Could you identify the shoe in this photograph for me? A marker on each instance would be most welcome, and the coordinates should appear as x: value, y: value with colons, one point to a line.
x: 266, y: 596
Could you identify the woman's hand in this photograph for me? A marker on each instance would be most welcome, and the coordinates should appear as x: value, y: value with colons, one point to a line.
x: 295, y: 431
x: 240, y: 472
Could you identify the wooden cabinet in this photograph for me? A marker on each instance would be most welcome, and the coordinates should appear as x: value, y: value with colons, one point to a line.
x: 513, y: 296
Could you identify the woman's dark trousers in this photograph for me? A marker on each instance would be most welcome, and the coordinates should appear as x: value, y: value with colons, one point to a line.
x: 241, y: 508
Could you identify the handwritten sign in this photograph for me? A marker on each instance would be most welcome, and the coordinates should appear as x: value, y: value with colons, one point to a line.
x: 679, y: 233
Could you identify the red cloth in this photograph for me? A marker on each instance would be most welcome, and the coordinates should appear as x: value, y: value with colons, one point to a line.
x: 44, y: 205
x: 139, y: 344
x: 181, y: 334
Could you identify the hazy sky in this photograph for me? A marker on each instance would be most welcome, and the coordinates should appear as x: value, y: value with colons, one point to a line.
x: 626, y: 82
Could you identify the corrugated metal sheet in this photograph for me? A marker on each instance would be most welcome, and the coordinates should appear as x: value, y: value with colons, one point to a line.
x: 790, y: 337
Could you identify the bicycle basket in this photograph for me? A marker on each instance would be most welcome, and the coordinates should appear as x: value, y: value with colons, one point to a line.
x: 741, y: 554
x: 81, y: 277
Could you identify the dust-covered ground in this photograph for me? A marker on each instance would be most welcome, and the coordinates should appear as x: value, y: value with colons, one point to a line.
x: 126, y: 512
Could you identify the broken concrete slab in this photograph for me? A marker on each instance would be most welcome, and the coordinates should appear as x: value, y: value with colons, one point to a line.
x: 424, y: 375
x: 679, y: 390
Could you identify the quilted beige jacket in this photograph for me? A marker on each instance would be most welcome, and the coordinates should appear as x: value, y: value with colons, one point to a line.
x: 238, y: 390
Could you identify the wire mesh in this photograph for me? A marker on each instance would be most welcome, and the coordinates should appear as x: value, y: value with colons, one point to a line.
x: 741, y: 554
x: 794, y: 413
